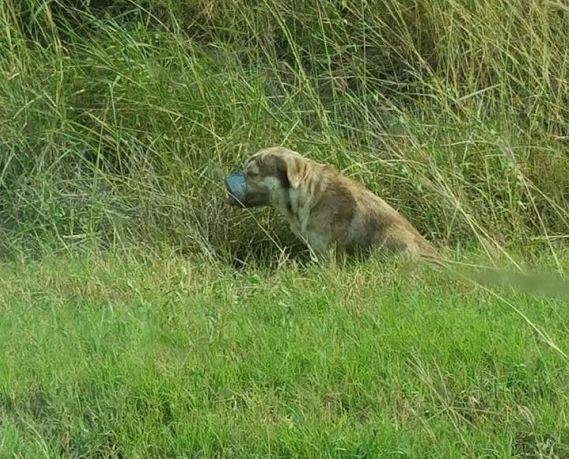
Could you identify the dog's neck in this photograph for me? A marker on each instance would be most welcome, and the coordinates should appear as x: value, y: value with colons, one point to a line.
x: 284, y: 201
x: 294, y: 208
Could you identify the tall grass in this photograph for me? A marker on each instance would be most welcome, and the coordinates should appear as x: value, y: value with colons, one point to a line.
x: 118, y: 122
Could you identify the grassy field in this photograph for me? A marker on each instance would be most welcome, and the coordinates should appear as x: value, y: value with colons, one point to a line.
x: 139, y: 317
x: 117, y: 357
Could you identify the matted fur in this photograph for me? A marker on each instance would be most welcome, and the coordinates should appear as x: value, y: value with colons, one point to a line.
x: 327, y: 210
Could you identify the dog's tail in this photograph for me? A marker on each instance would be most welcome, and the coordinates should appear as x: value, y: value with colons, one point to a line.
x: 536, y: 283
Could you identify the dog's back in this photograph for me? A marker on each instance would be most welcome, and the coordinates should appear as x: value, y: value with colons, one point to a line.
x: 376, y: 224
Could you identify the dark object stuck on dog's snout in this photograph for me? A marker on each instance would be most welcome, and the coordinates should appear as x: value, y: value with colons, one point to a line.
x: 236, y: 184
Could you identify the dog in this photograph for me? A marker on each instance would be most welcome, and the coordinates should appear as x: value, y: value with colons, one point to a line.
x: 330, y: 212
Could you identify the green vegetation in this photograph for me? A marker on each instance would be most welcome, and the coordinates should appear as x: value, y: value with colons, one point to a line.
x: 126, y: 331
x: 170, y: 358
x: 119, y: 120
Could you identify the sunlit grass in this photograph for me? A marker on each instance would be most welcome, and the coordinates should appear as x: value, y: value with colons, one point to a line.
x: 114, y: 357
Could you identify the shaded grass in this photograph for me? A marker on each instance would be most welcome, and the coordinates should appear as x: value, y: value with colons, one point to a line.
x: 117, y: 357
x: 119, y: 122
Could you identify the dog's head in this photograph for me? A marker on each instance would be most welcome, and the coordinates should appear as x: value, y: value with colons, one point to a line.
x: 266, y: 179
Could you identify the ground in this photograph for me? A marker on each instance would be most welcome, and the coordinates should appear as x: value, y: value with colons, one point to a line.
x: 119, y: 357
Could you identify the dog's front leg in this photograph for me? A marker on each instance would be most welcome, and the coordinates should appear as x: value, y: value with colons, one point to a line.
x: 321, y: 249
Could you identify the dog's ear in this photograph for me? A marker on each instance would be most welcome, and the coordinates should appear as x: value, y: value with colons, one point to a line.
x: 289, y: 171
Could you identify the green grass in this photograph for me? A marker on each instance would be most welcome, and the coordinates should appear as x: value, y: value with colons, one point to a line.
x: 115, y: 357
x: 118, y: 121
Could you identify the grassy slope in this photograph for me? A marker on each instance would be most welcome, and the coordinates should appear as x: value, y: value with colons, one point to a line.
x: 120, y: 122
x: 105, y: 357
x: 114, y: 132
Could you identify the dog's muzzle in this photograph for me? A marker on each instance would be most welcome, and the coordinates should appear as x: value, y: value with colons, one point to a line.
x: 236, y: 185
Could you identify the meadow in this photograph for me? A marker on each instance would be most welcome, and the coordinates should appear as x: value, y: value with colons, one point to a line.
x: 140, y: 317
x: 116, y: 357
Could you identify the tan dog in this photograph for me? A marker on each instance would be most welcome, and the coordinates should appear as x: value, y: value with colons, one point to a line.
x: 327, y: 210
